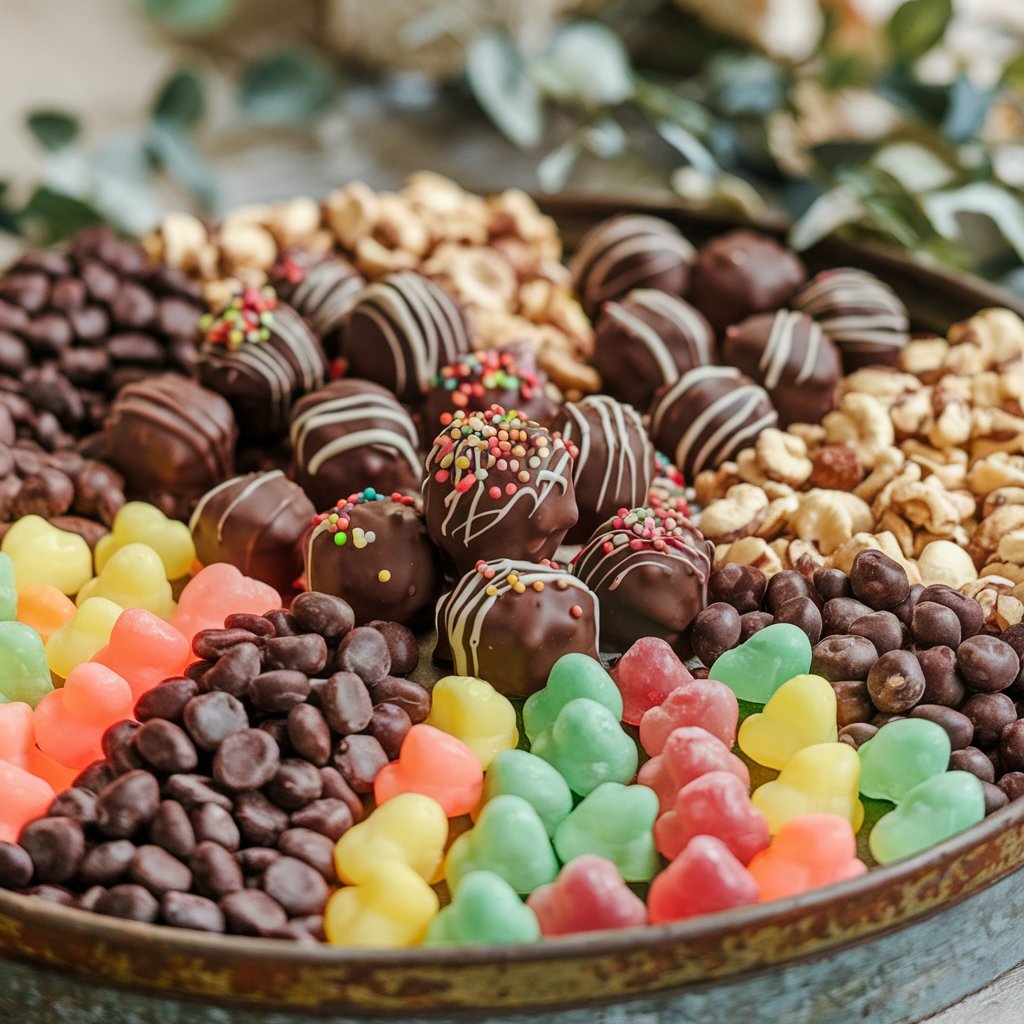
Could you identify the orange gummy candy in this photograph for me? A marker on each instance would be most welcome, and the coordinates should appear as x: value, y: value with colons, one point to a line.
x: 46, y: 609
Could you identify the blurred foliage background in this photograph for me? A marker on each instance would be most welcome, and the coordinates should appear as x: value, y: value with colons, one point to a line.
x: 899, y: 121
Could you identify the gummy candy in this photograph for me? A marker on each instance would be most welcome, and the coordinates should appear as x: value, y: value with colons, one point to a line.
x: 646, y: 674
x: 45, y: 608
x: 8, y: 592
x: 217, y: 590
x: 571, y: 677
x: 43, y: 554
x: 799, y: 714
x: 24, y: 673
x: 144, y: 649
x: 83, y: 636
x: 133, y: 578
x: 476, y: 713
x: 760, y: 665
x: 486, y: 911
x: 140, y: 523
x: 704, y: 702
x: 26, y: 797
x: 531, y: 777
x: 901, y: 755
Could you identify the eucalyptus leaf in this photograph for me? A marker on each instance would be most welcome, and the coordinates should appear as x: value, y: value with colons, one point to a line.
x: 288, y: 87
x: 181, y: 100
x: 1005, y: 209
x: 746, y: 84
x: 915, y: 167
x: 498, y: 79
x: 1013, y: 73
x: 696, y: 153
x: 605, y: 138
x: 554, y: 169
x: 190, y: 17
x: 916, y: 26
x: 968, y: 109
x: 52, y: 216
x: 176, y: 153
x: 925, y: 100
x: 831, y: 210
x: 587, y: 62
x: 53, y: 129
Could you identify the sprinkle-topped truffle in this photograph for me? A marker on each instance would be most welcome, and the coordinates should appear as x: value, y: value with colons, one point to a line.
x: 246, y: 319
x: 498, y: 485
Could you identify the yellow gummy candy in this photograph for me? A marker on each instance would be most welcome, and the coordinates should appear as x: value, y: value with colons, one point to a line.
x: 134, y: 577
x: 83, y: 636
x: 42, y: 554
x: 801, y: 713
x: 140, y: 523
x: 473, y: 711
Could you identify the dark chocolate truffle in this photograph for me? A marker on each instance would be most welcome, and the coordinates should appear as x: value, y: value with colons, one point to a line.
x: 172, y: 440
x: 790, y: 355
x: 260, y: 355
x: 646, y: 341
x: 615, y: 464
x: 373, y: 551
x: 709, y: 415
x: 741, y: 273
x: 650, y: 572
x: 508, y: 622
x: 256, y: 523
x: 401, y: 331
x: 860, y: 313
x: 349, y: 432
x: 630, y: 251
x: 495, y: 486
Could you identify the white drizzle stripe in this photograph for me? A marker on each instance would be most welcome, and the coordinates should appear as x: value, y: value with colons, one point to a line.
x: 258, y: 481
x: 693, y: 378
x: 289, y: 328
x: 326, y: 295
x: 595, y: 566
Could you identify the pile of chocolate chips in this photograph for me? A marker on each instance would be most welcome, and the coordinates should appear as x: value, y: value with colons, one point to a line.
x: 219, y: 808
x: 890, y: 651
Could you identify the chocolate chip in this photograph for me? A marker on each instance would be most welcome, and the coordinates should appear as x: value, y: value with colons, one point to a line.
x: 16, y: 867
x: 852, y: 702
x: 309, y: 734
x: 211, y: 717
x: 296, y: 784
x: 883, y: 629
x: 215, y: 824
x: 299, y: 888
x: 329, y: 616
x: 840, y: 613
x: 967, y: 610
x: 235, y: 670
x: 389, y: 725
x: 364, y: 651
x: 989, y: 713
x: 742, y: 586
x: 857, y: 734
x: 129, y: 901
x: 933, y: 624
x: 246, y: 760
x: 306, y: 653
x: 754, y: 622
x: 155, y: 869
x: 328, y: 816
x: 167, y: 700
x: 402, y: 646
x: 187, y: 910
x: 895, y: 682
x: 279, y: 690
x: 987, y: 664
x: 803, y: 613
x: 958, y: 726
x: 128, y: 803
x: 77, y: 803
x: 252, y: 912
x: 312, y: 848
x: 839, y: 658
x: 942, y: 683
x: 973, y: 760
x: 215, y: 870
x: 259, y: 821
x: 359, y: 759
x: 878, y: 580
x: 165, y: 746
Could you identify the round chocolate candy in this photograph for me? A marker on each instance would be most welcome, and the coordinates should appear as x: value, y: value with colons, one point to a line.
x: 508, y: 622
x: 401, y: 331
x: 497, y: 485
x: 257, y: 523
x: 349, y: 432
x: 650, y: 574
x: 790, y: 355
x: 373, y: 551
x: 615, y: 464
x: 630, y: 251
x: 646, y: 341
x: 709, y: 415
x: 860, y: 313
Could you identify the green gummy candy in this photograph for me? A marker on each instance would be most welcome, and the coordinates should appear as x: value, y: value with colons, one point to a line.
x: 486, y: 911
x: 509, y: 839
x: 900, y: 756
x: 8, y: 595
x: 587, y: 745
x: 758, y: 667
x: 524, y: 774
x: 932, y: 811
x: 615, y: 822
x: 24, y: 672
x: 571, y: 677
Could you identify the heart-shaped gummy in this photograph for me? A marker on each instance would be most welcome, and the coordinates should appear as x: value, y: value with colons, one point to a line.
x: 900, y: 756
x: 704, y: 702
x: 485, y: 911
x: 571, y: 677
x: 760, y: 665
x: 144, y: 650
x: 134, y: 577
x: 801, y: 713
x: 8, y: 593
x: 24, y: 672
x: 85, y: 635
x: 476, y: 713
x: 646, y: 674
x: 41, y: 554
x: 524, y: 774
x: 138, y: 522
x: 217, y: 590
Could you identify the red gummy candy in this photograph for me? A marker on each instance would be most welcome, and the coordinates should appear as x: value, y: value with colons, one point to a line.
x: 219, y: 590
x: 588, y: 895
x: 705, y: 702
x: 145, y: 650
x: 26, y: 797
x: 646, y: 674
x: 703, y: 879
x: 717, y: 804
x: 689, y: 752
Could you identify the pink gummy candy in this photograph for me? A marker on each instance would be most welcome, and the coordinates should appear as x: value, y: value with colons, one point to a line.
x: 689, y: 752
x: 145, y: 650
x: 588, y: 895
x: 704, y: 878
x: 26, y: 797
x: 219, y: 590
x: 716, y: 804
x: 646, y: 674
x: 16, y: 737
x: 705, y: 702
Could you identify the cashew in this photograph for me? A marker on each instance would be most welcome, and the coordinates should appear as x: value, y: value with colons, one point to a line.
x: 995, y: 594
x: 885, y: 542
x: 245, y: 245
x: 712, y: 484
x: 942, y: 561
x: 888, y: 465
x: 998, y: 470
x: 830, y: 518
x: 948, y: 464
x: 352, y: 213
x: 924, y: 357
x: 863, y: 422
x: 777, y: 517
x: 998, y: 333
x: 750, y: 551
x: 294, y: 222
x: 478, y: 275
x: 739, y: 514
x: 782, y: 457
x: 992, y: 528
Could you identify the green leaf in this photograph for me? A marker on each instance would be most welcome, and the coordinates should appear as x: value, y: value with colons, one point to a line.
x: 190, y: 17
x: 498, y: 79
x: 175, y: 152
x: 8, y: 215
x: 924, y: 100
x: 1002, y: 207
x: 181, y: 101
x: 1013, y: 73
x: 554, y: 169
x: 53, y: 216
x: 588, y: 63
x: 746, y: 84
x: 664, y: 104
x: 968, y: 109
x: 686, y: 143
x: 916, y: 26
x: 288, y: 87
x: 831, y: 210
x: 53, y: 129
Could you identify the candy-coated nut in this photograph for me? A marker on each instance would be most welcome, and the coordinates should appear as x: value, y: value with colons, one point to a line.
x: 216, y: 590
x: 571, y: 677
x: 486, y: 911
x: 901, y: 755
x: 524, y: 774
x: 390, y: 909
x: 26, y: 797
x: 822, y: 779
x: 509, y: 839
x: 8, y: 591
x: 614, y: 822
x: 410, y: 828
x: 808, y: 852
x: 43, y: 554
x: 801, y: 713
x: 932, y: 811
x: 133, y: 578
x: 24, y: 673
x: 45, y: 608
x: 83, y: 636
x: 646, y: 674
x: 145, y: 650
x: 476, y: 713
x: 435, y: 764
x: 704, y: 702
x: 760, y: 665
x: 587, y: 746
x: 140, y: 523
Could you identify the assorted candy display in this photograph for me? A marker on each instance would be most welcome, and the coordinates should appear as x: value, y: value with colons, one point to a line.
x: 250, y: 472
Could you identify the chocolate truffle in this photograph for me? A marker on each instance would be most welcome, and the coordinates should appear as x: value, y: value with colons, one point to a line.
x: 860, y: 313
x: 508, y: 622
x: 650, y: 572
x: 709, y: 415
x: 171, y: 439
x: 630, y: 251
x: 497, y: 485
x: 790, y: 355
x: 260, y: 355
x: 615, y: 464
x: 349, y: 432
x: 508, y: 378
x: 323, y: 288
x: 256, y: 523
x: 741, y: 273
x: 401, y: 331
x: 646, y: 341
x: 373, y: 551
